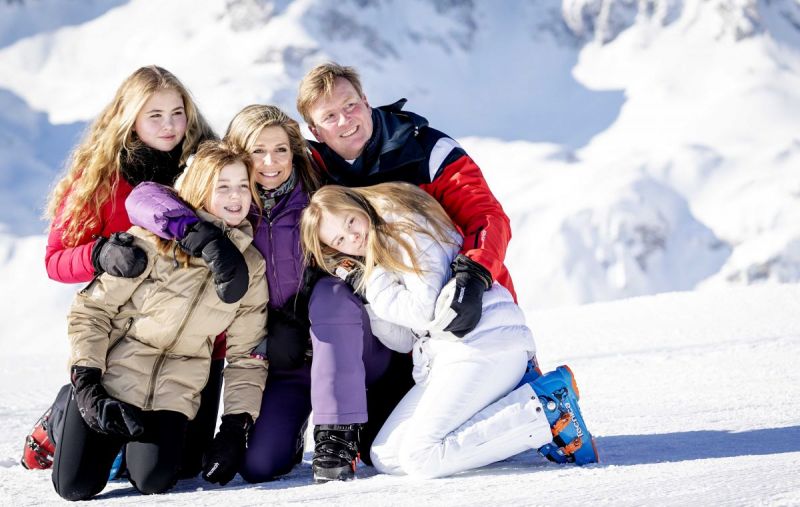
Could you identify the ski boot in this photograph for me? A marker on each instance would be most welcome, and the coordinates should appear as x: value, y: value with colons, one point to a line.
x: 532, y: 372
x: 335, y: 452
x: 39, y: 449
x: 300, y: 444
x: 118, y: 468
x: 572, y: 442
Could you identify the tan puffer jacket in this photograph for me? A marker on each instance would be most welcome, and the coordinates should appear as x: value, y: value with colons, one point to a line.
x: 153, y: 335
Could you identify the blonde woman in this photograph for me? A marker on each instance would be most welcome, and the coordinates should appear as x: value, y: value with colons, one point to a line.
x: 467, y: 408
x: 141, y: 347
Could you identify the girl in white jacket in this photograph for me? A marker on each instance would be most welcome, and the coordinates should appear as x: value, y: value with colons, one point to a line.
x: 394, y: 244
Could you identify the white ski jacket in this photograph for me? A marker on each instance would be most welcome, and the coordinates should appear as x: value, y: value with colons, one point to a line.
x: 409, y: 312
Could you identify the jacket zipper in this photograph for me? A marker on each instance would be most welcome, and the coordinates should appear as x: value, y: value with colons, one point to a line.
x: 84, y: 290
x: 148, y: 401
x: 125, y: 330
x: 272, y: 260
x: 270, y: 221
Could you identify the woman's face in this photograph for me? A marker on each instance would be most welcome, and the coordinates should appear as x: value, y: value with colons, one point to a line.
x: 161, y: 123
x: 230, y: 199
x: 346, y: 232
x: 272, y: 157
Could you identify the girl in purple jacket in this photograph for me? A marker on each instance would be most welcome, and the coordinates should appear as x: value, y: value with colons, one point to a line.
x: 351, y: 370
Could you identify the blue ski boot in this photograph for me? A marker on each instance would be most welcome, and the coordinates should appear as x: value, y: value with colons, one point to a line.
x: 572, y: 442
x: 532, y: 372
x: 118, y: 468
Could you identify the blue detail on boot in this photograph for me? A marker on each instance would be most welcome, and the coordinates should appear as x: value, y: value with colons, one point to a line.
x: 532, y: 372
x: 559, y: 398
x: 118, y: 467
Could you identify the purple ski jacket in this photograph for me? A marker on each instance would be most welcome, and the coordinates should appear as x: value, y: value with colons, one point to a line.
x: 277, y: 232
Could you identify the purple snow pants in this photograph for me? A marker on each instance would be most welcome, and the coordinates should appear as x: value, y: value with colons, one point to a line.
x: 353, y: 378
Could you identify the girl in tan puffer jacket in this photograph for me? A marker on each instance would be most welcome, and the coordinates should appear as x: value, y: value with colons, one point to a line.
x: 141, y: 347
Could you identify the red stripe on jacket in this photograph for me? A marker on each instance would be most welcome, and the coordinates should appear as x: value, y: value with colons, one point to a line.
x: 463, y: 192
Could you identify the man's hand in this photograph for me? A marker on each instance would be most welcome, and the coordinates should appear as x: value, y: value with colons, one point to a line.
x: 352, y: 275
x: 471, y: 280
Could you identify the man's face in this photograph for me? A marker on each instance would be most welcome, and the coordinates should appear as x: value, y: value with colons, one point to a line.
x: 343, y: 120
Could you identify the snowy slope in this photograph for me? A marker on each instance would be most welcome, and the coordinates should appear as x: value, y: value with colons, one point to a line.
x: 694, y: 399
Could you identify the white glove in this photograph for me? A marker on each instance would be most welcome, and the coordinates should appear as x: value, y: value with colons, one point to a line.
x: 443, y: 314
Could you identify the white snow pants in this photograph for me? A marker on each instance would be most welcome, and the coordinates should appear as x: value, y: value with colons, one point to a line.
x: 463, y: 415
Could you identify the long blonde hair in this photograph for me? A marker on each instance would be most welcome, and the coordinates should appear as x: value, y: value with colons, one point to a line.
x: 94, y: 168
x: 247, y: 125
x: 388, y: 243
x: 201, y: 177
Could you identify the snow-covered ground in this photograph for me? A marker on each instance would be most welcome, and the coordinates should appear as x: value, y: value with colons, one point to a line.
x: 694, y: 399
x: 638, y: 147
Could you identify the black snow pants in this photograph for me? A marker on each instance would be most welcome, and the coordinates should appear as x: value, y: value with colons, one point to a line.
x: 201, y: 429
x: 84, y: 457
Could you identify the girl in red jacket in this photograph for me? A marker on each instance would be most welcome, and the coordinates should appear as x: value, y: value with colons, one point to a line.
x: 146, y: 133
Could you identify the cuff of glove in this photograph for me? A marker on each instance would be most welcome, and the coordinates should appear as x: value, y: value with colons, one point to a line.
x: 82, y: 376
x: 241, y: 422
x: 463, y: 264
x: 178, y: 226
x: 98, y: 246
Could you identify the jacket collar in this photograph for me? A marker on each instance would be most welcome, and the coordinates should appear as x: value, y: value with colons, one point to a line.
x: 142, y: 163
x: 241, y: 235
x: 387, y: 148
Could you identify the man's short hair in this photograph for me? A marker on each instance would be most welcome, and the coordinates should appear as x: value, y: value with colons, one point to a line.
x: 318, y: 83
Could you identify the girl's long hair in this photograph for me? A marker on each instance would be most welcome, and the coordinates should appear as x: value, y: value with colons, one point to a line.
x: 247, y: 125
x: 94, y: 168
x: 200, y: 178
x: 389, y: 243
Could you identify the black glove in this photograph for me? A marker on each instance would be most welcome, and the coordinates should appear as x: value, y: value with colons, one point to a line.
x: 287, y: 342
x: 101, y: 412
x: 226, y: 262
x: 287, y: 339
x: 226, y: 453
x: 472, y: 280
x: 118, y: 256
x: 301, y: 300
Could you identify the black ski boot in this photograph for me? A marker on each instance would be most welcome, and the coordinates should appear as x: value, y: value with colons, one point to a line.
x: 335, y: 452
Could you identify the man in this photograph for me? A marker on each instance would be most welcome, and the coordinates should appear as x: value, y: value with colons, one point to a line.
x: 362, y: 146
x: 358, y: 146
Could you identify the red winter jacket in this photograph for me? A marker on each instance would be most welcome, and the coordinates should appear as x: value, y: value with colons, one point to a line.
x: 463, y: 192
x: 74, y: 264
